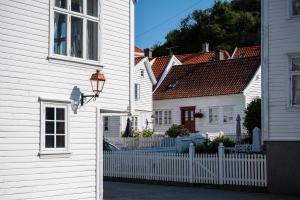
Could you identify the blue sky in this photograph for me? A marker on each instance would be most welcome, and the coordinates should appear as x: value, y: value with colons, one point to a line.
x: 155, y: 18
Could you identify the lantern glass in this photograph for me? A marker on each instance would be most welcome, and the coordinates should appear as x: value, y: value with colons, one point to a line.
x: 97, y: 86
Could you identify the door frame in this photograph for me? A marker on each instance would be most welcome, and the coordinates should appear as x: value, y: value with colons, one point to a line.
x: 182, y: 111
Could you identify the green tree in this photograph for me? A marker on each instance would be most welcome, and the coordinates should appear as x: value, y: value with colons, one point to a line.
x: 226, y: 24
x: 253, y: 116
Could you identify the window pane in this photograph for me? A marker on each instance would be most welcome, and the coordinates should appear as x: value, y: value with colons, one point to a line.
x: 92, y: 8
x: 49, y: 141
x: 60, y: 34
x: 76, y: 5
x: 49, y: 127
x: 60, y: 127
x: 296, y: 7
x: 76, y: 37
x: 49, y: 113
x: 60, y: 141
x: 92, y: 41
x: 296, y: 90
x: 296, y: 64
x: 60, y: 114
x: 170, y: 117
x: 166, y: 117
x: 61, y: 3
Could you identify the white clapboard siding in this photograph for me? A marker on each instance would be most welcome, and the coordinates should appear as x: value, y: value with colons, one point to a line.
x: 253, y: 90
x: 283, y: 39
x: 231, y: 169
x: 26, y: 75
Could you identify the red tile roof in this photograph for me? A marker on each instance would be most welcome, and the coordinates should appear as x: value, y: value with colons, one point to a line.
x: 138, y: 50
x: 208, y: 79
x: 138, y: 59
x: 247, y: 52
x: 195, y: 58
x: 159, y: 65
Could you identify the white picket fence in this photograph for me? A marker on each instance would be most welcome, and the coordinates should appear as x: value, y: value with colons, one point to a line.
x: 229, y: 169
x: 132, y: 143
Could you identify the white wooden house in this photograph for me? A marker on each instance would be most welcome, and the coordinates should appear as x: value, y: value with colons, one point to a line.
x: 50, y: 145
x: 281, y: 93
x: 142, y: 83
x: 207, y: 97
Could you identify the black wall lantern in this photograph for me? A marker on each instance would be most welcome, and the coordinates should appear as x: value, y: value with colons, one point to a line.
x: 97, y: 81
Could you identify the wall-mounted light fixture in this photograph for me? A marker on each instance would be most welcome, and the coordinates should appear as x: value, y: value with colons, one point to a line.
x: 97, y: 81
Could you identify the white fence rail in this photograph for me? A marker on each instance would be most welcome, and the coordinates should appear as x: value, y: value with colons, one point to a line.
x: 231, y: 169
x: 132, y: 143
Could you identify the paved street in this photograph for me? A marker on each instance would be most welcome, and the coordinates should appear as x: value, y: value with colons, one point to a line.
x: 129, y: 191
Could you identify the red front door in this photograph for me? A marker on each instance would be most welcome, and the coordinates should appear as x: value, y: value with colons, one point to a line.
x: 187, y: 117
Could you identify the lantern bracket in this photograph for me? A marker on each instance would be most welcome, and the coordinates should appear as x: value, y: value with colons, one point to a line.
x: 83, y: 98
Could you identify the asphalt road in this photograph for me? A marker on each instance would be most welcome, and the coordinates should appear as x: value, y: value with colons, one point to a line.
x: 130, y: 191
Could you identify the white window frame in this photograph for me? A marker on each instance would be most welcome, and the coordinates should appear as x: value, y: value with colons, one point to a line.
x: 135, y: 121
x: 137, y: 91
x: 224, y: 108
x: 291, y: 74
x: 83, y: 16
x: 290, y: 10
x: 218, y: 115
x: 45, y: 152
x: 163, y: 117
x: 105, y: 120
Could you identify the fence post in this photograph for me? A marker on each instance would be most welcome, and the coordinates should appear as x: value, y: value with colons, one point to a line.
x: 191, y: 160
x: 221, y: 158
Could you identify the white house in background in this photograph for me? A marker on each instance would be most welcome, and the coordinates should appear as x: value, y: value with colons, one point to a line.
x: 143, y: 80
x: 50, y: 145
x: 281, y: 93
x: 207, y: 97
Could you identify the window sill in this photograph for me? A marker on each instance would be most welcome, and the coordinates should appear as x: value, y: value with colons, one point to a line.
x: 73, y: 59
x: 46, y: 155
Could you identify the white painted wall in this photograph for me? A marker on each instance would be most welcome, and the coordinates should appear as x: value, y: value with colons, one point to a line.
x: 253, y: 90
x: 203, y: 103
x: 281, y: 37
x: 26, y: 75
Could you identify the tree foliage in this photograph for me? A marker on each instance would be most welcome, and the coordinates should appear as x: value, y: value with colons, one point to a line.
x: 226, y: 24
x: 253, y: 116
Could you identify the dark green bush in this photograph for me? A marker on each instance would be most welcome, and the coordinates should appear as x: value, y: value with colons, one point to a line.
x: 253, y: 116
x: 147, y: 133
x: 177, y: 130
x: 212, y: 146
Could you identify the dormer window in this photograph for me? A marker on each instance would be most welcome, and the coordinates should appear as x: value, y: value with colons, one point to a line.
x: 74, y: 29
x: 172, y: 85
x: 295, y: 7
x: 242, y: 55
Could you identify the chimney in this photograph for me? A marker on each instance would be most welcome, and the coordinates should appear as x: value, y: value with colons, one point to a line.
x: 148, y: 52
x: 205, y: 47
x: 219, y: 54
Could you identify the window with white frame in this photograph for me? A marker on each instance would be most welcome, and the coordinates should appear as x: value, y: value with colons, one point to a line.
x: 228, y: 113
x: 295, y: 81
x: 54, y: 130
x: 137, y: 91
x: 106, y: 123
x: 163, y: 117
x: 213, y: 115
x: 134, y: 122
x: 75, y: 28
x: 142, y: 73
x: 295, y: 6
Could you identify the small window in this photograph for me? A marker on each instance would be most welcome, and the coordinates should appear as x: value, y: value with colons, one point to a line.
x: 295, y: 7
x: 106, y: 123
x: 142, y: 73
x: 214, y: 115
x: 228, y: 114
x: 242, y: 55
x: 54, y: 131
x: 137, y: 92
x: 75, y: 29
x: 158, y: 117
x: 134, y: 123
x: 170, y: 117
x: 295, y: 81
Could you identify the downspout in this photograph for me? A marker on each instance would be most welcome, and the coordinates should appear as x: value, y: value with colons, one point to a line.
x: 131, y: 54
